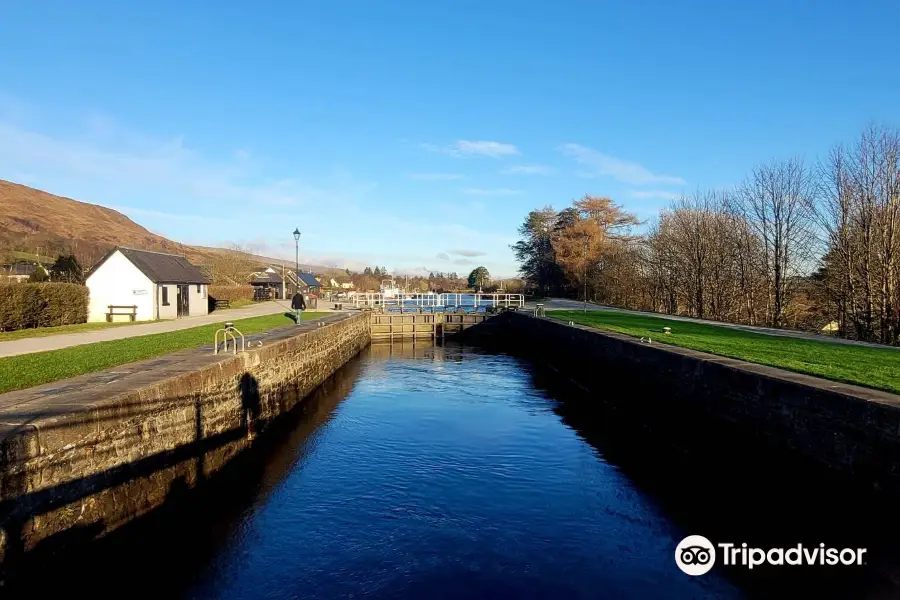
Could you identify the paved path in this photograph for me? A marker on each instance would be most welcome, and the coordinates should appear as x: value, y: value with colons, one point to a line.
x: 64, y: 340
x: 566, y: 304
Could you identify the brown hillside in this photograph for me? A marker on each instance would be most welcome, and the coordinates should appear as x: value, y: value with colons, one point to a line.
x: 32, y: 221
x: 37, y: 222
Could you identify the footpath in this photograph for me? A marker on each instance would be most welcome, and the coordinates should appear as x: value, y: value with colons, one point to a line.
x: 65, y: 340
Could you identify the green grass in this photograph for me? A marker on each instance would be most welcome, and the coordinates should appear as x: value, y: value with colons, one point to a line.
x: 27, y: 370
x: 29, y: 256
x: 877, y: 368
x: 240, y: 302
x: 8, y: 336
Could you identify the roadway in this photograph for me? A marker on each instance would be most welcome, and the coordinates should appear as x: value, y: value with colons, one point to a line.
x: 566, y: 304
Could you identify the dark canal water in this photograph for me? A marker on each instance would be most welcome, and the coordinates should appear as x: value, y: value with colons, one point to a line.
x: 451, y: 473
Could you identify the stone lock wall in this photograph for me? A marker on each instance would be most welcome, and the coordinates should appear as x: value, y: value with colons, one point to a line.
x: 83, y: 473
x: 849, y: 431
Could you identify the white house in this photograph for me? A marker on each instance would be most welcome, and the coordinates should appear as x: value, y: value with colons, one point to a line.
x: 142, y: 285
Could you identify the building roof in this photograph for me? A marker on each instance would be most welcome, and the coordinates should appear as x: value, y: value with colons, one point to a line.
x: 20, y: 267
x: 261, y: 278
x: 160, y: 267
x: 309, y: 279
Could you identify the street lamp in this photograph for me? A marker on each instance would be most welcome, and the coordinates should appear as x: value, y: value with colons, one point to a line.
x: 297, y: 265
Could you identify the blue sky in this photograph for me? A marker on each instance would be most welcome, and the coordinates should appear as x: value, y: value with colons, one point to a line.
x: 418, y: 134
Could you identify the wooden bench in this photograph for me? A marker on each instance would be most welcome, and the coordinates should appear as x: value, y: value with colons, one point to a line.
x: 223, y: 304
x: 132, y: 314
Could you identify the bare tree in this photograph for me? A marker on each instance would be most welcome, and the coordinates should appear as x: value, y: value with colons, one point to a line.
x: 232, y: 266
x: 777, y: 199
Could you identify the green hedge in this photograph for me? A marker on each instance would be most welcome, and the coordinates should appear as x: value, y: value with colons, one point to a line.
x: 231, y: 292
x: 29, y: 305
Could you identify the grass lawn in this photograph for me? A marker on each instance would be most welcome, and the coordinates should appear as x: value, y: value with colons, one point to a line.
x: 239, y: 303
x: 27, y: 370
x: 871, y: 367
x: 7, y: 336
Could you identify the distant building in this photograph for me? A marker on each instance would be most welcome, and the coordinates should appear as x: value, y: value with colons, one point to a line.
x: 160, y: 286
x: 268, y: 284
x: 21, y: 270
x: 310, y: 283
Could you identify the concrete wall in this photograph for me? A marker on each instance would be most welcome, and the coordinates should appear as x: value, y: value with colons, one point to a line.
x: 120, y: 283
x: 849, y: 431
x: 74, y: 473
x: 170, y: 310
x: 199, y: 305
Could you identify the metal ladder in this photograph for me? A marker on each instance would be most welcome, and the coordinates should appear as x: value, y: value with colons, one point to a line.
x: 229, y: 331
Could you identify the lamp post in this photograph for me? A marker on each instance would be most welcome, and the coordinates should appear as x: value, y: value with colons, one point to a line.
x: 297, y: 264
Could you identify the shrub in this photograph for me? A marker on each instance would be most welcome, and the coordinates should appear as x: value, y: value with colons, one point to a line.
x: 28, y: 305
x: 67, y: 303
x: 231, y: 293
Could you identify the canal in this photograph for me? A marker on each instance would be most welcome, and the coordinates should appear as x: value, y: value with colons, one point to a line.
x: 447, y: 472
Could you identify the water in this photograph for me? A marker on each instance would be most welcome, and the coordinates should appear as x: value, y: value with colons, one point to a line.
x: 450, y: 473
x: 453, y: 478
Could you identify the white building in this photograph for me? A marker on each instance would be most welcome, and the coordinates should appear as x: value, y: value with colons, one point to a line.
x: 148, y: 285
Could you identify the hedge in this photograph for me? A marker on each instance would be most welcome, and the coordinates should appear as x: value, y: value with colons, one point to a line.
x: 29, y: 305
x: 231, y: 292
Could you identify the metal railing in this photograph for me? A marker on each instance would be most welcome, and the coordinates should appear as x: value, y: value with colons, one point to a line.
x: 229, y: 331
x: 429, y: 300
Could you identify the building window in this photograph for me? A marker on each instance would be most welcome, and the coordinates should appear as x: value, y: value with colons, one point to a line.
x: 198, y: 288
x: 202, y: 290
x: 165, y: 295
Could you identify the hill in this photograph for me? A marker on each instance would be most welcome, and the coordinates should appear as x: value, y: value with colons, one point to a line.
x: 34, y: 222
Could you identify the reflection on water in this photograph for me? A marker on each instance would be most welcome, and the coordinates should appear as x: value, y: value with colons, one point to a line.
x: 428, y: 472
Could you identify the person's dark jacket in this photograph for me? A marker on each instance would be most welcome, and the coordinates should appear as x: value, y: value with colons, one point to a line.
x: 297, y: 302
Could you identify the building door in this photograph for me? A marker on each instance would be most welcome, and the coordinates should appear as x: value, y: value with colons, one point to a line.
x: 184, y: 294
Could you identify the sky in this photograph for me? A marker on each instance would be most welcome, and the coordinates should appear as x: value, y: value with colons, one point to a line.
x: 417, y: 135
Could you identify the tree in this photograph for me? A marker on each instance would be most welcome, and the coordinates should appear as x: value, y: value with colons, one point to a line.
x: 67, y: 269
x: 534, y: 251
x: 777, y: 200
x: 577, y: 249
x: 611, y: 217
x: 479, y: 278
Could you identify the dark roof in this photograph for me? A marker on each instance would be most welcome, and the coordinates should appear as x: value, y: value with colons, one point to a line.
x: 161, y: 267
x: 309, y: 279
x: 261, y: 278
x: 20, y: 267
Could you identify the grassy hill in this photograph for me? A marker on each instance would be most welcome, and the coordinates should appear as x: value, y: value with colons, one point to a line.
x: 34, y: 222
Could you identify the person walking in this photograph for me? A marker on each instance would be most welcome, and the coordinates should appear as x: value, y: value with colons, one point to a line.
x: 299, y: 305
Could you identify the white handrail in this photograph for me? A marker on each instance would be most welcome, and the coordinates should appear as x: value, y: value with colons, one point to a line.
x: 367, y: 299
x: 227, y: 331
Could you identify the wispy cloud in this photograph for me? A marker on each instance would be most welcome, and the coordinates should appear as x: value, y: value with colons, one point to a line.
x: 529, y: 170
x: 604, y: 165
x: 436, y: 176
x: 652, y: 194
x: 490, y: 192
x: 469, y: 253
x: 464, y: 148
x: 463, y: 261
x: 107, y: 154
x: 442, y: 256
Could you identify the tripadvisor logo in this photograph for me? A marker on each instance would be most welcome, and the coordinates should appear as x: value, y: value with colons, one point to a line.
x: 696, y: 555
